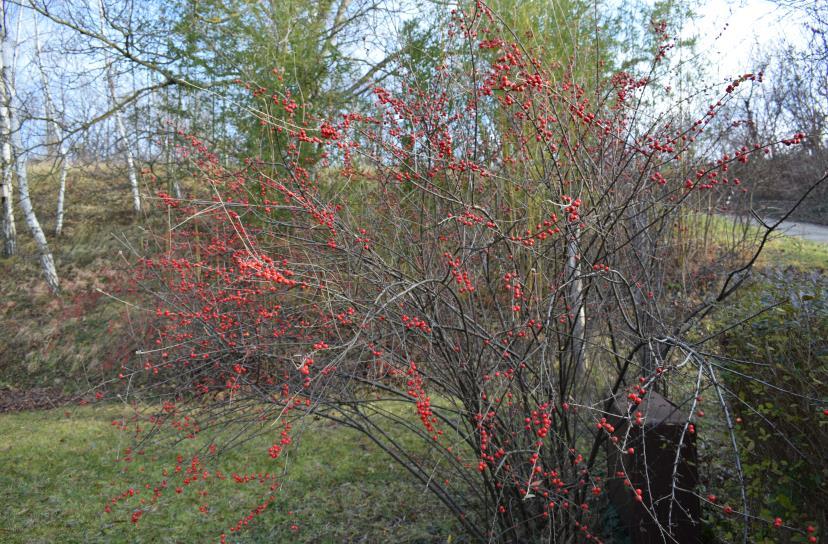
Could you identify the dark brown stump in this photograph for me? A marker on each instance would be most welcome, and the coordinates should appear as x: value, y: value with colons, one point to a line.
x: 650, y: 469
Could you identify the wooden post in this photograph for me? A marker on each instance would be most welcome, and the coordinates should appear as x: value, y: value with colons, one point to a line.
x: 668, y: 511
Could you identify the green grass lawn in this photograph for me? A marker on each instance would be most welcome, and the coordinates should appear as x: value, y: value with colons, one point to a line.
x: 58, y: 469
x: 791, y: 251
x: 779, y: 251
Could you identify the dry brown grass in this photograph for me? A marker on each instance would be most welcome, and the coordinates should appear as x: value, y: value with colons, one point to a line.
x: 70, y: 341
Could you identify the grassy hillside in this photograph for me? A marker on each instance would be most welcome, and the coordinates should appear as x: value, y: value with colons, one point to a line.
x: 59, y: 466
x: 69, y: 342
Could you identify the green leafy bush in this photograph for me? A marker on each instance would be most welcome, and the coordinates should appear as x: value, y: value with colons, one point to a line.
x: 780, y: 411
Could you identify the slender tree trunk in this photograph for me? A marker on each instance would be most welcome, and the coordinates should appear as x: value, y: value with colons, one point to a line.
x: 645, y: 250
x: 171, y: 175
x: 61, y: 198
x: 133, y: 178
x: 47, y: 262
x: 6, y: 192
x: 10, y: 120
x: 576, y: 300
x: 119, y: 123
x: 63, y: 154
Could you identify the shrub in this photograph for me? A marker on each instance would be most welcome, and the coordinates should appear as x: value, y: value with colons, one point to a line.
x: 477, y: 276
x: 776, y: 368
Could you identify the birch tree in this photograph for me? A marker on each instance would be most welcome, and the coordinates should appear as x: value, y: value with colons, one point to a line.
x: 51, y: 116
x: 6, y: 190
x: 119, y: 118
x: 12, y: 140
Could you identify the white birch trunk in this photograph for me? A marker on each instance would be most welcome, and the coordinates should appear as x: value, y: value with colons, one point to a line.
x: 6, y: 192
x: 119, y: 122
x: 133, y: 178
x: 576, y: 300
x: 6, y: 195
x: 175, y: 186
x: 63, y: 154
x: 166, y: 146
x: 64, y: 167
x: 168, y: 142
x: 9, y: 97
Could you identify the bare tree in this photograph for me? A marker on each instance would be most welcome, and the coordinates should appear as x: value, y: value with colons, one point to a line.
x: 11, y: 135
x: 119, y: 120
x: 56, y: 131
x: 7, y: 194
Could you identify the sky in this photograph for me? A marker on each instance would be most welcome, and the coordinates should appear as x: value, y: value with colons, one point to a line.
x: 732, y: 33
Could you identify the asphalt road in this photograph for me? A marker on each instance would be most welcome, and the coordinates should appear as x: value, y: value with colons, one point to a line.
x: 808, y: 231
